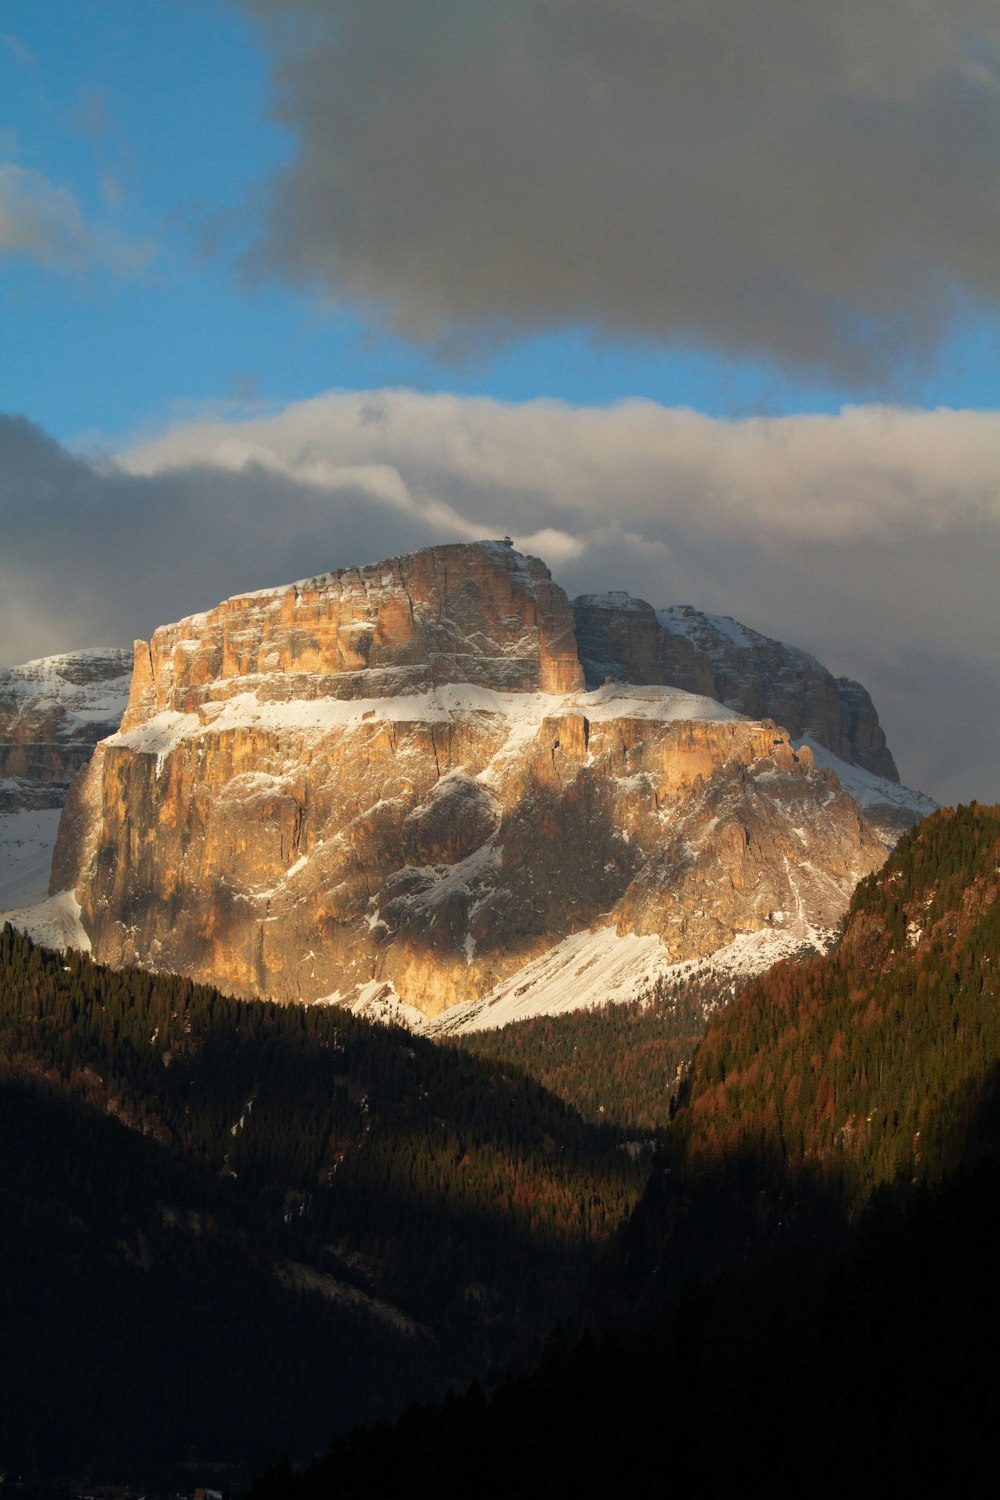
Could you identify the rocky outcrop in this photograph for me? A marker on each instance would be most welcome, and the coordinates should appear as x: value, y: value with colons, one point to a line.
x: 620, y: 639
x: 52, y: 714
x: 627, y: 640
x: 440, y: 845
x: 393, y: 777
x: 481, y: 614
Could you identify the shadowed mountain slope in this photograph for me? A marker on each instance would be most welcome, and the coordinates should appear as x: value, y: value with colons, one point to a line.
x: 243, y: 1226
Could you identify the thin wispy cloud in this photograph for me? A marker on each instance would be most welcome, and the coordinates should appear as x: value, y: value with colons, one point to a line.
x: 44, y: 223
x: 17, y: 50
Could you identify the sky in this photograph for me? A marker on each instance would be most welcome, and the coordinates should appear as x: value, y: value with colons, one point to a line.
x: 693, y: 298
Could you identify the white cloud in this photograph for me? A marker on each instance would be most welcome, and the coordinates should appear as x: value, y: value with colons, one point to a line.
x: 871, y: 474
x: 557, y: 547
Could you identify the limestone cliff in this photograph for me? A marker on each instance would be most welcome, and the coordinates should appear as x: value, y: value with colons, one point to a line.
x: 393, y: 777
x: 626, y: 639
x: 481, y: 614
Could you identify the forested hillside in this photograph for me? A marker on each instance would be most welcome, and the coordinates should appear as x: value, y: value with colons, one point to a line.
x: 806, y: 1299
x: 616, y: 1064
x: 295, y: 1217
x: 831, y: 1082
x: 865, y: 1070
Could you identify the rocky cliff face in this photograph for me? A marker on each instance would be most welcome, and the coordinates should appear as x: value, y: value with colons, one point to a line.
x: 52, y: 714
x: 392, y: 779
x: 478, y: 614
x: 627, y: 640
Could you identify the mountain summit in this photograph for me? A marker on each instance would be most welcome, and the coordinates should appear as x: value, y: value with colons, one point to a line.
x: 392, y: 786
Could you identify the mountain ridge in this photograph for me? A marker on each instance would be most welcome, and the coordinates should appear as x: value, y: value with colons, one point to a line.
x: 626, y: 638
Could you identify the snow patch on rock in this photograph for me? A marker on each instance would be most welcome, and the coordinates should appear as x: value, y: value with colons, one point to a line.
x: 873, y: 794
x: 523, y: 712
x: 55, y: 923
x: 593, y: 968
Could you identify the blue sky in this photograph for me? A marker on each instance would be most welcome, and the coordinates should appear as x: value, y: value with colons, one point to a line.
x: 693, y: 297
x: 153, y: 116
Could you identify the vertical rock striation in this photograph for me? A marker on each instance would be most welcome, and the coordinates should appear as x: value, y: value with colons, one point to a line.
x: 392, y: 779
x: 478, y: 613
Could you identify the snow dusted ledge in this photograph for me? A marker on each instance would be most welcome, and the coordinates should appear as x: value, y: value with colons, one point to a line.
x: 590, y: 969
x: 524, y: 712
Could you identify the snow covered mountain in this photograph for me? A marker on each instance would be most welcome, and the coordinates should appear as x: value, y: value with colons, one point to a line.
x: 626, y: 639
x: 52, y: 713
x: 395, y: 787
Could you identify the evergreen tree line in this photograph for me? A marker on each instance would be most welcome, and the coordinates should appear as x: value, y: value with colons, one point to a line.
x: 865, y: 1066
x: 456, y: 1189
x: 615, y: 1064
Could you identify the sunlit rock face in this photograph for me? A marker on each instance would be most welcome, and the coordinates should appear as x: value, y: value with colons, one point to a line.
x: 479, y: 614
x: 627, y: 640
x: 396, y: 774
x: 52, y: 713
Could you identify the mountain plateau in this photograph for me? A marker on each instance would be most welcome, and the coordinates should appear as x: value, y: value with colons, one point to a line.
x: 407, y: 787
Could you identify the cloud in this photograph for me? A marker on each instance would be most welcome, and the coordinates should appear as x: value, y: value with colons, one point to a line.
x: 817, y: 184
x: 871, y: 538
x: 44, y: 223
x: 94, y: 555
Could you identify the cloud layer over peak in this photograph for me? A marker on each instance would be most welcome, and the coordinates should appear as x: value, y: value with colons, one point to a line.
x: 871, y: 538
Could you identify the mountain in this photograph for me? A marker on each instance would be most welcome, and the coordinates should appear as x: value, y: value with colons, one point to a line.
x: 52, y: 714
x: 626, y: 639
x: 391, y: 785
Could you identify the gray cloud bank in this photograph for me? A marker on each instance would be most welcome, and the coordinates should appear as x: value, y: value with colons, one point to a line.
x: 871, y: 538
x: 815, y: 183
